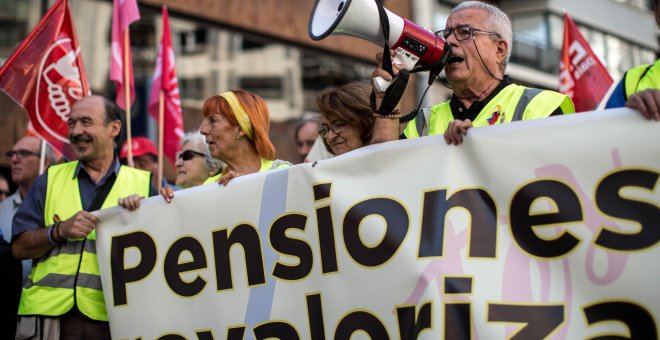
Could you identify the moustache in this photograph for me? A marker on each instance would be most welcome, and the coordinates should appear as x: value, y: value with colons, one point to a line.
x: 81, y: 138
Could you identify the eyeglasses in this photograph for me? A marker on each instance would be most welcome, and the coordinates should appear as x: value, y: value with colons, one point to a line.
x: 21, y: 153
x: 336, y: 127
x: 464, y: 32
x: 189, y: 154
x: 4, y: 193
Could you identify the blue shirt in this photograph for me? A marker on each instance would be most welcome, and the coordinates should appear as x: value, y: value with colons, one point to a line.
x: 8, y: 208
x: 30, y: 215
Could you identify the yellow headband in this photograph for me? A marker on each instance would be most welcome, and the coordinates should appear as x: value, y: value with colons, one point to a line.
x: 239, y: 112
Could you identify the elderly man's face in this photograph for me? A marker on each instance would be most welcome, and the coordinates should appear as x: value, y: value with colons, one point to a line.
x: 90, y: 135
x: 25, y: 160
x: 465, y: 66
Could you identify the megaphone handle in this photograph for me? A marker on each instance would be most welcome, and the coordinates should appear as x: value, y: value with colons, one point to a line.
x: 401, y: 57
x: 381, y: 84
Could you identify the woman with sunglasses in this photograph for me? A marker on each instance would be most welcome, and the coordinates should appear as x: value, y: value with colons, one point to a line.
x: 236, y: 127
x: 347, y: 120
x: 194, y: 163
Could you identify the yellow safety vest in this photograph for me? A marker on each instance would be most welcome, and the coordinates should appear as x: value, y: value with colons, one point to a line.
x: 68, y: 274
x: 512, y: 103
x: 266, y: 164
x: 642, y: 78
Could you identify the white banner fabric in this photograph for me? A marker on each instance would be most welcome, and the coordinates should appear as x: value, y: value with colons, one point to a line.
x: 545, y: 228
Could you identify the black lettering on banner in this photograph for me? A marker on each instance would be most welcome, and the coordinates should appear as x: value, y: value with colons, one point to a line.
x: 172, y: 268
x: 361, y: 321
x: 290, y: 246
x: 638, y: 319
x: 458, y: 320
x: 396, y: 222
x: 322, y: 191
x: 523, y: 221
x: 610, y: 201
x: 315, y: 317
x: 540, y: 319
x: 236, y: 333
x: 457, y: 285
x: 326, y: 229
x: 121, y: 275
x: 275, y: 330
x: 410, y: 325
x: 204, y: 335
x: 483, y: 225
x: 247, y: 237
x: 172, y: 336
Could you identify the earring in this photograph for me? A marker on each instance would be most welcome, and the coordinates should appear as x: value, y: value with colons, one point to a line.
x: 238, y: 137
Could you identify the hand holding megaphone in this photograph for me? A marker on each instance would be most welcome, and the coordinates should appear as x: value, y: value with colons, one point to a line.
x: 401, y: 60
x: 416, y: 48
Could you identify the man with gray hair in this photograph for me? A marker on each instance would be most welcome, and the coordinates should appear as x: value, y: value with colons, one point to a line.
x: 23, y: 159
x: 480, y: 38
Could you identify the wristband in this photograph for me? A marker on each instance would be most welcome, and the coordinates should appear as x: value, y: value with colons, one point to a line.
x: 396, y: 114
x: 50, y: 237
x: 57, y: 231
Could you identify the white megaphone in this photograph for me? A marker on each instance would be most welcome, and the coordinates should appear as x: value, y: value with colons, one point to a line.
x: 416, y: 48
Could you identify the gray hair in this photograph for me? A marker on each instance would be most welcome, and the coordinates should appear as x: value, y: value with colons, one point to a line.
x: 211, y: 163
x: 497, y: 22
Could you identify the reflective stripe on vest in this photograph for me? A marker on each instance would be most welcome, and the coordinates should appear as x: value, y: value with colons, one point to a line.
x: 642, y: 78
x: 514, y: 102
x: 68, y: 274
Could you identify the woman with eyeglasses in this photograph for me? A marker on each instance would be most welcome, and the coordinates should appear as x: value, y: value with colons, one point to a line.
x: 194, y: 163
x: 235, y: 127
x: 347, y: 120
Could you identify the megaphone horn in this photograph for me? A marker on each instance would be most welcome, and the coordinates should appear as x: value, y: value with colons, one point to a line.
x: 415, y: 45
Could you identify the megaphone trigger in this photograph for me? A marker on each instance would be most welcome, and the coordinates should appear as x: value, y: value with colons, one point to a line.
x: 381, y: 84
x: 403, y: 60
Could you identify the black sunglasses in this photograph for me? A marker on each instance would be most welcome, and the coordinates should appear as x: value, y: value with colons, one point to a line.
x: 189, y: 154
x: 22, y: 153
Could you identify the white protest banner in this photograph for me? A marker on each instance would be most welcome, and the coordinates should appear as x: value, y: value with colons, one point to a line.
x: 545, y: 228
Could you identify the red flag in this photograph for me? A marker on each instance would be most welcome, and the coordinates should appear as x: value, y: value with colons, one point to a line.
x: 124, y: 13
x: 45, y: 75
x: 581, y: 74
x: 165, y: 80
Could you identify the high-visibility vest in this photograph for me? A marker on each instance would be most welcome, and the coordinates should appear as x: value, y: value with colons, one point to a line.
x: 68, y: 274
x: 266, y: 164
x: 642, y: 78
x: 512, y: 103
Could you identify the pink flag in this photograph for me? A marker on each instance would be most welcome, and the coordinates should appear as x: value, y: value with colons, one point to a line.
x: 45, y: 75
x: 581, y: 75
x: 164, y: 80
x: 124, y: 12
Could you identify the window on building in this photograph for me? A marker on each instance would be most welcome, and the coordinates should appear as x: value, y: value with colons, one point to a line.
x: 192, y: 88
x: 267, y: 87
x: 193, y: 41
x: 538, y: 39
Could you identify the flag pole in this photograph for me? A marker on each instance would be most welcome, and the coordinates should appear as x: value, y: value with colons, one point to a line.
x: 127, y: 97
x: 42, y: 157
x: 161, y: 122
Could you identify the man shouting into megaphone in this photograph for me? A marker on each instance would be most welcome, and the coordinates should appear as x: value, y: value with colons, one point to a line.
x: 480, y: 36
